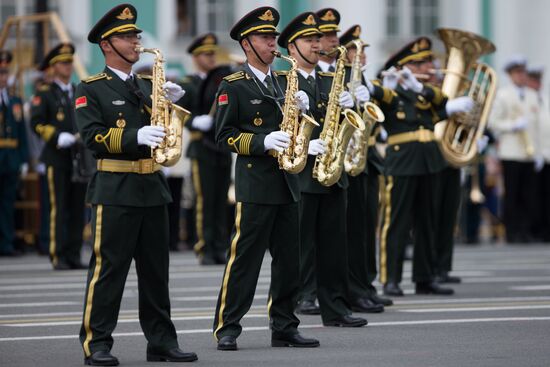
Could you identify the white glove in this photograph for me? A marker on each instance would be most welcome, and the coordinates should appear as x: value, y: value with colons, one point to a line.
x: 173, y: 91
x: 361, y: 94
x: 277, y: 140
x: 302, y: 100
x: 539, y: 163
x: 482, y: 144
x: 459, y: 104
x: 203, y: 122
x: 65, y: 140
x: 317, y: 146
x: 369, y: 84
x: 520, y: 124
x: 346, y: 101
x: 409, y: 81
x: 24, y: 169
x: 383, y: 134
x: 391, y: 77
x: 150, y: 135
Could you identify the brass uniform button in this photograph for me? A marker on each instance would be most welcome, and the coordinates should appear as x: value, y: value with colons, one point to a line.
x: 396, y: 148
x: 249, y: 165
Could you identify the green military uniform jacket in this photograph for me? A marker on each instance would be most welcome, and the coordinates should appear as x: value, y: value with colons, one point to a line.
x: 13, y: 140
x: 108, y: 116
x: 245, y: 115
x: 52, y: 112
x: 318, y: 100
x: 407, y: 111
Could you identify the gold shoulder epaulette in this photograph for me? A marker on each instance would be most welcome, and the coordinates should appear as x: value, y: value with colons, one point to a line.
x: 44, y: 88
x: 93, y: 78
x: 235, y: 76
x: 376, y: 82
x: 145, y: 76
x: 322, y: 73
x: 280, y: 72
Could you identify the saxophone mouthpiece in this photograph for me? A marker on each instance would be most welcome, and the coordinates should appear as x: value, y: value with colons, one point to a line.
x: 276, y: 53
x: 139, y: 49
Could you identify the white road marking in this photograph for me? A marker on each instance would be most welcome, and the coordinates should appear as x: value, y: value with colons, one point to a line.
x: 470, y: 309
x: 531, y: 288
x: 38, y: 304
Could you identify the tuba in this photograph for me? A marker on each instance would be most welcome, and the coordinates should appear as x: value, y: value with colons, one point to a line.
x: 464, y: 76
x: 166, y: 114
x: 356, y: 153
x: 295, y: 123
x: 329, y: 166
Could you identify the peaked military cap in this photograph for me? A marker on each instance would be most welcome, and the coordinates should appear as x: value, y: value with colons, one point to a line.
x: 5, y: 58
x: 305, y: 24
x: 535, y: 71
x: 262, y: 20
x: 417, y: 50
x: 329, y: 20
x: 352, y: 34
x: 120, y: 19
x: 205, y: 43
x: 62, y: 52
x: 515, y: 61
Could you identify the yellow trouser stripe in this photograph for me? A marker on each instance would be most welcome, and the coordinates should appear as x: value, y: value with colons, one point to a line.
x: 269, y: 303
x: 228, y: 267
x: 53, y: 214
x: 199, y: 210
x: 95, y: 277
x: 384, y: 235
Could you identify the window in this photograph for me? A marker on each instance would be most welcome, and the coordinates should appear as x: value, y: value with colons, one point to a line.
x: 393, y: 17
x: 197, y: 17
x: 425, y: 16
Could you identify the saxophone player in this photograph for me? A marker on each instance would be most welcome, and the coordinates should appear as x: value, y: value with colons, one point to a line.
x: 247, y: 123
x: 362, y: 203
x: 323, y: 258
x: 128, y: 195
x: 411, y: 164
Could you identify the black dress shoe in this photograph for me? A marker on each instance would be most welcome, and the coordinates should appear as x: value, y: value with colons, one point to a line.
x: 101, y: 358
x: 227, y: 342
x: 207, y: 260
x: 171, y: 355
x: 220, y: 258
x: 433, y: 288
x: 308, y: 308
x: 446, y: 278
x: 293, y: 340
x: 366, y: 305
x: 380, y: 300
x: 346, y: 321
x: 11, y: 253
x: 62, y: 265
x: 393, y: 289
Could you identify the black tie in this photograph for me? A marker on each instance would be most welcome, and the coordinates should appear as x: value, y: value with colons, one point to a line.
x: 331, y: 69
x: 132, y: 85
x: 269, y: 84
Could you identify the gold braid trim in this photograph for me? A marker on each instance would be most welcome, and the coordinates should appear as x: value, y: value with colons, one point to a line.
x: 112, y: 140
x: 244, y: 145
x: 233, y: 143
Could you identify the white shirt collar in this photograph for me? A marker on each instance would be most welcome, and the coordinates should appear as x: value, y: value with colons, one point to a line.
x: 121, y: 74
x: 202, y: 75
x: 64, y: 87
x: 305, y: 74
x: 259, y: 74
x: 325, y: 65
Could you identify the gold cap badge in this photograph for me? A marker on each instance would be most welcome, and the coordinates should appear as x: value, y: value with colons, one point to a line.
x: 267, y: 16
x: 310, y: 20
x: 329, y: 16
x: 66, y: 49
x: 126, y: 14
x: 357, y: 32
x: 209, y: 40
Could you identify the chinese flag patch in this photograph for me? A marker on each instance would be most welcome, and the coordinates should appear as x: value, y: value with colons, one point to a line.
x: 222, y: 99
x: 80, y: 102
x: 36, y: 100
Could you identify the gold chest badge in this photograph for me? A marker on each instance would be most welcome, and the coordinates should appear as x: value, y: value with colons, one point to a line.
x: 120, y: 122
x: 258, y: 121
x: 60, y: 116
x: 400, y: 115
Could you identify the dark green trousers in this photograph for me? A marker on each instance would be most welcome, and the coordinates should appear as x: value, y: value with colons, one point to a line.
x: 211, y: 180
x: 361, y: 234
x: 447, y: 201
x: 67, y: 201
x: 373, y: 202
x: 8, y: 190
x: 258, y: 228
x: 121, y: 234
x: 323, y: 252
x: 409, y: 203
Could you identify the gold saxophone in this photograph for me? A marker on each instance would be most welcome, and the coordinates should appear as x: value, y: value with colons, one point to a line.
x: 295, y: 123
x: 356, y: 153
x: 329, y: 166
x: 166, y: 114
